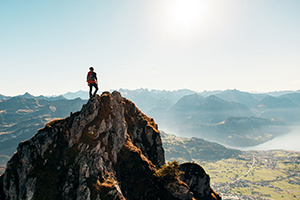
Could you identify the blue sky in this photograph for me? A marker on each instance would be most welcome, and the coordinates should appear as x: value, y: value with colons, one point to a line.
x: 46, y: 47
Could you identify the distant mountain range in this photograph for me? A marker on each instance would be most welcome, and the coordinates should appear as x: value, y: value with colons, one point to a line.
x: 148, y: 99
x: 230, y: 117
x: 27, y: 95
x: 21, y: 116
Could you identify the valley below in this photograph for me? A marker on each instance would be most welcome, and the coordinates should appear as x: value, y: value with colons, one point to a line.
x: 237, y: 174
x: 256, y: 175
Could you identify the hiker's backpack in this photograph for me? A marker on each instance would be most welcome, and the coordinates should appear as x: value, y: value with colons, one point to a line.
x: 91, y: 77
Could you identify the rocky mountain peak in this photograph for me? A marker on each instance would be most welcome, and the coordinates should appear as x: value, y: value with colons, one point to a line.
x: 108, y: 150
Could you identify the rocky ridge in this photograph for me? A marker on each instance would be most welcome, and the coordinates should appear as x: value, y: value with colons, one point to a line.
x: 108, y: 150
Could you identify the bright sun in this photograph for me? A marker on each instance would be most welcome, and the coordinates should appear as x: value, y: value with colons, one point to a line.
x: 185, y: 16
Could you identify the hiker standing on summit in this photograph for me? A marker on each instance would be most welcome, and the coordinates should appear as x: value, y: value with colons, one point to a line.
x: 92, y: 81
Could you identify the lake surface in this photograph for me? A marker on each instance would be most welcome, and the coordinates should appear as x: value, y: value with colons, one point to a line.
x: 289, y: 141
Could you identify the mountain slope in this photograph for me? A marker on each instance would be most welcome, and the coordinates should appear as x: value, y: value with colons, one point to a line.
x: 240, y: 97
x: 194, y: 149
x: 108, y: 150
x: 20, y: 118
x: 147, y: 99
x: 279, y: 108
x: 227, y: 122
x: 294, y: 97
x: 249, y: 131
x: 194, y: 108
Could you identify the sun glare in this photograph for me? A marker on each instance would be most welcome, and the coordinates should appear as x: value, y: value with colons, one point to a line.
x: 186, y: 13
x: 184, y: 17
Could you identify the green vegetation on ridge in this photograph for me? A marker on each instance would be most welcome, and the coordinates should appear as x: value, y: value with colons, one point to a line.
x: 194, y: 149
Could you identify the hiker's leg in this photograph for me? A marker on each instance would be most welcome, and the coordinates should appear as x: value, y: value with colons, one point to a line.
x: 91, y: 87
x: 96, y: 87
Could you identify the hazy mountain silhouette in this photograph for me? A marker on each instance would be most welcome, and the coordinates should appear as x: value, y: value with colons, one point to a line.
x: 183, y: 112
x: 3, y: 97
x: 270, y: 102
x: 293, y: 97
x: 20, y: 117
x: 199, y: 111
x: 248, y: 99
x: 195, y: 108
x: 279, y: 108
x: 147, y: 99
x: 79, y: 94
x: 228, y: 121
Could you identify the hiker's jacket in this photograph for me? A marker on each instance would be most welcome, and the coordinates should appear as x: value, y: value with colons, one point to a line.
x: 91, y: 77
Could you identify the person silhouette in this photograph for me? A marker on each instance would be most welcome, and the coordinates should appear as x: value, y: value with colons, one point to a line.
x: 92, y: 81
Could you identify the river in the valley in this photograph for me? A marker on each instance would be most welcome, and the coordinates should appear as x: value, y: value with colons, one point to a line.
x: 289, y: 141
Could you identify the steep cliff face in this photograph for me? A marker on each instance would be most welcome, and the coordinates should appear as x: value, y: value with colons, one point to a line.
x: 108, y: 150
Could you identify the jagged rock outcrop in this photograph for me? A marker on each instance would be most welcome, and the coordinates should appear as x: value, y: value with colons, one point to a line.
x: 198, y: 181
x: 108, y: 150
